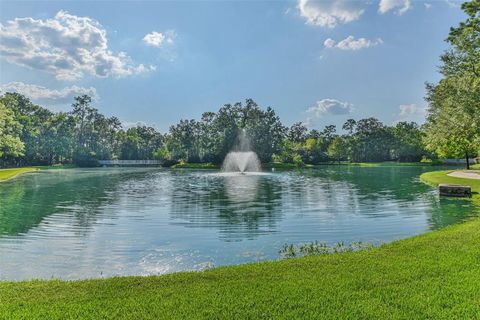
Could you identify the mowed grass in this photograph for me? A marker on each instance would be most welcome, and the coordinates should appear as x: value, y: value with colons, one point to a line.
x: 186, y: 165
x: 6, y: 174
x: 431, y: 276
x: 437, y: 177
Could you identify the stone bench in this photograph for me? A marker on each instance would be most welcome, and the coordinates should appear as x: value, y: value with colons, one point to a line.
x: 454, y: 190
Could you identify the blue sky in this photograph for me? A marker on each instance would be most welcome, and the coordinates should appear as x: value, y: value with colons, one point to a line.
x: 157, y: 62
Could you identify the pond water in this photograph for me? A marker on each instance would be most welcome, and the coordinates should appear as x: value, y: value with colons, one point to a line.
x: 89, y: 223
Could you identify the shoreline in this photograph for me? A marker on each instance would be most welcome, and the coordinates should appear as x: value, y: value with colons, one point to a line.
x: 435, y: 178
x: 394, y: 279
x: 12, y: 173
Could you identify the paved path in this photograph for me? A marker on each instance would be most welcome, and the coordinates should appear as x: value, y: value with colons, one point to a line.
x: 466, y: 175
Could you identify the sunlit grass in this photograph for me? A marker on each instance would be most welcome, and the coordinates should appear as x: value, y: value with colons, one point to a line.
x: 186, y: 165
x: 437, y: 177
x: 431, y: 276
x: 6, y: 174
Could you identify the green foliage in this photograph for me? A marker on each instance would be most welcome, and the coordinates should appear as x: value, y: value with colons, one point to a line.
x: 453, y: 121
x: 338, y: 149
x: 162, y: 154
x: 84, y: 136
x: 319, y: 248
x: 297, y: 160
x: 6, y: 174
x: 431, y: 276
x: 408, y: 146
x: 186, y: 165
x: 10, y: 144
x: 371, y: 142
x: 32, y: 135
x: 210, y: 139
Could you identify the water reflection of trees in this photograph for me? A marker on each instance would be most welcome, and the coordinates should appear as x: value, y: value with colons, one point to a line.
x: 379, y: 182
x: 379, y: 185
x: 240, y: 207
x: 447, y: 211
x: 26, y: 202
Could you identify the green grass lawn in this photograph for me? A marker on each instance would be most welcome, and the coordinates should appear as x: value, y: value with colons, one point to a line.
x: 431, y: 276
x: 437, y: 177
x: 186, y: 165
x: 6, y: 174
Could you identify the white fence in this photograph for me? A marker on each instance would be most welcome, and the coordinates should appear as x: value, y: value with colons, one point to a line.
x: 129, y: 162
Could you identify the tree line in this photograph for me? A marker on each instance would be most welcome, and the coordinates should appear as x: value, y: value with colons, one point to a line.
x: 33, y: 135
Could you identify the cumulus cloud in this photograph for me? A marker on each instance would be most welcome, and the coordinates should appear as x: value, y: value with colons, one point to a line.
x: 54, y: 96
x: 410, y: 112
x: 329, y: 13
x: 66, y: 46
x: 329, y: 43
x: 350, y: 43
x: 400, y: 6
x: 427, y: 5
x: 133, y: 124
x: 154, y: 39
x: 330, y: 106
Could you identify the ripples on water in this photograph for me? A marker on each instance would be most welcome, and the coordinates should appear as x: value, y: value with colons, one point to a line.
x: 83, y: 223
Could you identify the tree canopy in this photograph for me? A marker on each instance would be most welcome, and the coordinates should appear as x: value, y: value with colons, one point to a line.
x: 453, y: 120
x: 32, y: 135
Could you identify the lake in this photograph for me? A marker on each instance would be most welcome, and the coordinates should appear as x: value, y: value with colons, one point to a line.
x: 102, y: 222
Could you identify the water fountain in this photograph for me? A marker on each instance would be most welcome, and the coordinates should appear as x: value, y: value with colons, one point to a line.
x: 241, y: 159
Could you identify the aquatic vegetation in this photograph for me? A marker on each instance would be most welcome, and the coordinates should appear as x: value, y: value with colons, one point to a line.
x: 319, y: 248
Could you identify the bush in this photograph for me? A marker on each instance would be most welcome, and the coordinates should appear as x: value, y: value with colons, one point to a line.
x: 297, y: 160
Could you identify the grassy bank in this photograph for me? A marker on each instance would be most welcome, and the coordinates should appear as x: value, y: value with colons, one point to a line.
x: 7, y: 174
x: 437, y: 177
x: 186, y: 165
x: 434, y: 276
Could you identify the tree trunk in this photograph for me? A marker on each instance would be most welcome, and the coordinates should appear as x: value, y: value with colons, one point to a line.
x: 468, y: 161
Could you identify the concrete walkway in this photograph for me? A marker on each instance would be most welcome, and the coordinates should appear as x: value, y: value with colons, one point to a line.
x: 475, y: 174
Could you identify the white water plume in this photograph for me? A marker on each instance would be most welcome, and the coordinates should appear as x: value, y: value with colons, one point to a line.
x: 241, y: 159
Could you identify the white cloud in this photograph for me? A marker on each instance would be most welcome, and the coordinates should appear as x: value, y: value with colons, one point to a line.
x: 66, y: 46
x: 427, y: 5
x: 154, y: 39
x: 329, y: 13
x: 36, y: 92
x: 350, y: 43
x: 400, y: 6
x: 329, y: 43
x: 133, y: 124
x: 410, y: 112
x: 39, y: 92
x: 330, y: 106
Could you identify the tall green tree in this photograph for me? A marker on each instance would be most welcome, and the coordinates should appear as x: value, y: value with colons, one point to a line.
x: 453, y: 121
x: 11, y: 146
x: 407, y: 145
